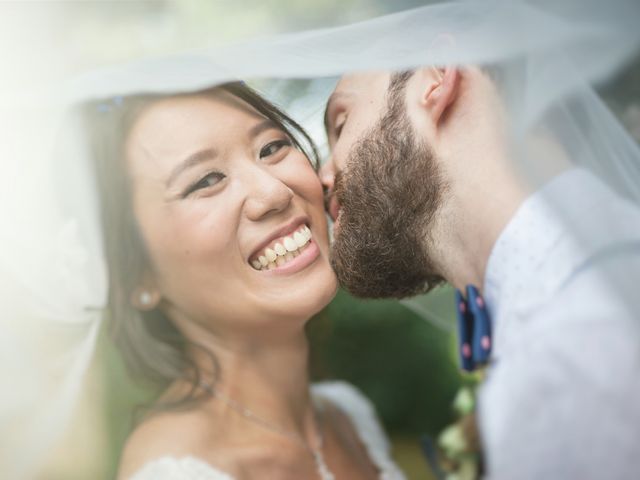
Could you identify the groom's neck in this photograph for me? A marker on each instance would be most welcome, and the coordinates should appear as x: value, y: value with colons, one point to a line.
x: 474, y: 214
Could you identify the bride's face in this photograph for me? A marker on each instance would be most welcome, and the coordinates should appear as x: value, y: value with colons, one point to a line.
x: 220, y: 193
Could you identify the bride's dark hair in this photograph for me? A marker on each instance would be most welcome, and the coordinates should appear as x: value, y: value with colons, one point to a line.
x: 153, y: 348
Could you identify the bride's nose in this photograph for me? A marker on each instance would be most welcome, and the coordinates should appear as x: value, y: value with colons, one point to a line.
x: 267, y: 195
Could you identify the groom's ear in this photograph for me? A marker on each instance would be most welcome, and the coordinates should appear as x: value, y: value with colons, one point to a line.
x: 440, y: 89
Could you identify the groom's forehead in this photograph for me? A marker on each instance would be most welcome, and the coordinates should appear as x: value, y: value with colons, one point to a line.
x: 362, y: 82
x: 356, y: 87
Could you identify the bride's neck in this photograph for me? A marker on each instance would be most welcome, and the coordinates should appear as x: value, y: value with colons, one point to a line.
x: 266, y: 374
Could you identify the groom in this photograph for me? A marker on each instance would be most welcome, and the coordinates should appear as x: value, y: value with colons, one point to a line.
x: 423, y: 191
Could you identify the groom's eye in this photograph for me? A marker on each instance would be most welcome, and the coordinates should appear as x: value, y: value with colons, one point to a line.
x: 340, y: 121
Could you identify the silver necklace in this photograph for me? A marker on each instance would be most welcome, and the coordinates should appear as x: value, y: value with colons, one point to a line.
x: 316, y: 453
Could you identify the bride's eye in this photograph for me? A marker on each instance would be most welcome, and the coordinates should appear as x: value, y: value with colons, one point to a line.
x: 272, y: 148
x: 209, y: 180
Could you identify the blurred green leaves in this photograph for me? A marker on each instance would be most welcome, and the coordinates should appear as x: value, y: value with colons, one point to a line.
x: 404, y: 364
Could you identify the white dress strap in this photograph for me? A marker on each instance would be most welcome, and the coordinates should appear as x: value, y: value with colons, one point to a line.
x: 365, y: 421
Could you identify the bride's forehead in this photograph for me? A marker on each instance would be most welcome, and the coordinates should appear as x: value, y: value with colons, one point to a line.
x: 176, y: 116
x: 173, y: 126
x: 209, y: 103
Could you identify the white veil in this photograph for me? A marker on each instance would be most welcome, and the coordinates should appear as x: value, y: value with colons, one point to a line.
x: 52, y: 274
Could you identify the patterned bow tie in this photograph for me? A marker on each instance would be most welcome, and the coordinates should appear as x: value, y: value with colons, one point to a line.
x: 474, y: 329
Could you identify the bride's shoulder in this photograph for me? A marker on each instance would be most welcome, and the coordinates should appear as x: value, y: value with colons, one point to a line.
x: 171, y: 444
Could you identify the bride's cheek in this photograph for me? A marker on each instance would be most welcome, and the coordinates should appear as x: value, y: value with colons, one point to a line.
x: 313, y: 190
x: 302, y: 178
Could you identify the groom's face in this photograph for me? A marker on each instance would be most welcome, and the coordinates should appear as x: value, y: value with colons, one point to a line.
x: 385, y: 189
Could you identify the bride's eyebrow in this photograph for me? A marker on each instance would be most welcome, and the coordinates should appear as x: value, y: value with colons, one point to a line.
x: 266, y: 124
x: 191, y: 161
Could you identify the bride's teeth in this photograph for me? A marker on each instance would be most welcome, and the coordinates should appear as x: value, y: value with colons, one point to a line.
x: 270, y: 254
x: 289, y: 244
x: 280, y: 250
x: 300, y: 239
x: 284, y: 251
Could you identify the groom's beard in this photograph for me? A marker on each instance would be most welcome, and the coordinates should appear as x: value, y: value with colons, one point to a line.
x: 389, y: 194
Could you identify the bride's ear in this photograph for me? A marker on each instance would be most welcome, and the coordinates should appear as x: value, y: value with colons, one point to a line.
x: 440, y: 90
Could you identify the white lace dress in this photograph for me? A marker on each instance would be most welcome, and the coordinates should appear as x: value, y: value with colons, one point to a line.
x: 341, y: 394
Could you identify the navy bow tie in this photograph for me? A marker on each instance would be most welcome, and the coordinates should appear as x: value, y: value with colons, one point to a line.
x: 474, y: 329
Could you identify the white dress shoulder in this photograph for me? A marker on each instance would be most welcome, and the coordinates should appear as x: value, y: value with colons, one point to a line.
x: 341, y: 394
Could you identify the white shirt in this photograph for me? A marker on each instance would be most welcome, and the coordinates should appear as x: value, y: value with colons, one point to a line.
x: 562, y: 396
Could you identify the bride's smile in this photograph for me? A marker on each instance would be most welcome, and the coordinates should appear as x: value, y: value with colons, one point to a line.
x: 292, y: 250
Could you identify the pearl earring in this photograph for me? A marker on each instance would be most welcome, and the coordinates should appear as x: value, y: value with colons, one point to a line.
x: 145, y: 298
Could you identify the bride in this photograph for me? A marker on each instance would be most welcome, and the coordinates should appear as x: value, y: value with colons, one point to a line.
x: 215, y: 231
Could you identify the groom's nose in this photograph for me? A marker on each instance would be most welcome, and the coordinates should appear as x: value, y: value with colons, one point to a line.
x: 328, y: 175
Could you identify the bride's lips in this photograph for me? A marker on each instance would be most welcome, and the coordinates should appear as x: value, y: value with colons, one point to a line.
x: 283, y: 231
x: 295, y: 233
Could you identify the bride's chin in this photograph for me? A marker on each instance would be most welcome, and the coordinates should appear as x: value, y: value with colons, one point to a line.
x: 314, y: 297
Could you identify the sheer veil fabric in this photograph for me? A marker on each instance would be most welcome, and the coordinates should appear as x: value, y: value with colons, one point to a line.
x: 547, y: 55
